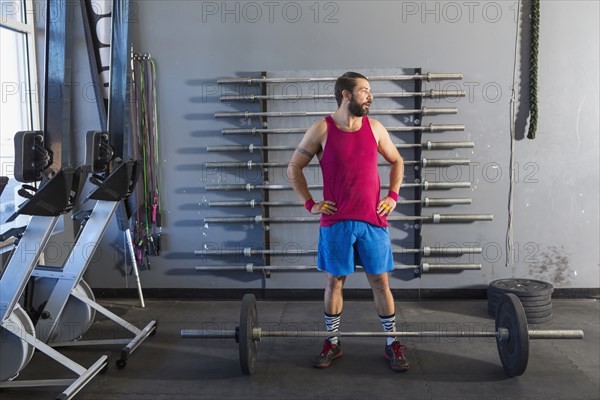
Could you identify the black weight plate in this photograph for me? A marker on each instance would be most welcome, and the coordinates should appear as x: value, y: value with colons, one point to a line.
x: 247, y: 346
x: 524, y: 299
x: 539, y: 320
x: 538, y: 315
x: 539, y: 309
x: 530, y: 312
x: 528, y: 308
x: 494, y: 295
x: 522, y: 287
x: 537, y: 303
x: 514, y: 351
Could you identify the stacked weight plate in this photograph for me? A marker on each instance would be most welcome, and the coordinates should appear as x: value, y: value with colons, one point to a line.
x: 536, y: 297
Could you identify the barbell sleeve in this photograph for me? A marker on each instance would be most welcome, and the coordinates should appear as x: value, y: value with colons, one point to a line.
x: 456, y: 218
x: 444, y: 162
x: 445, y: 145
x: 443, y: 185
x: 428, y: 76
x: 443, y: 202
x: 438, y: 268
x: 556, y: 334
x: 449, y: 251
x: 431, y: 128
x: 207, y: 334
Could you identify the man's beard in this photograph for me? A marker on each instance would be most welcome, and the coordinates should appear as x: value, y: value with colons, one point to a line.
x: 357, y: 109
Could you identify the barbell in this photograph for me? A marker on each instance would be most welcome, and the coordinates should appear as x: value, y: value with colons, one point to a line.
x: 271, y: 114
x: 427, y: 76
x: 427, y: 94
x: 425, y: 146
x: 434, y: 218
x: 511, y: 333
x: 418, y: 270
x: 426, y: 202
x: 431, y: 128
x: 250, y: 164
x: 425, y: 185
x: 425, y: 251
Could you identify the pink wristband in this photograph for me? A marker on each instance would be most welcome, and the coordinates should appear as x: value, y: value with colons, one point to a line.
x: 393, y: 195
x: 309, y: 205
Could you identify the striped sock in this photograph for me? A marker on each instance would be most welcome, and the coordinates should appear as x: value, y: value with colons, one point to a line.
x: 332, y: 324
x: 389, y: 325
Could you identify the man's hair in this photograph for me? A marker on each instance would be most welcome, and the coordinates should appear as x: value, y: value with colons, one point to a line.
x: 346, y: 82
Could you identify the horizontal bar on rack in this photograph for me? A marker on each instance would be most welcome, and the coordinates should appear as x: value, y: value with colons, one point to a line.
x: 428, y: 94
x: 431, y: 128
x: 272, y: 114
x: 435, y: 218
x: 426, y: 162
x: 426, y: 202
x: 429, y: 77
x: 424, y: 185
x: 425, y: 267
x: 425, y: 146
x: 425, y: 251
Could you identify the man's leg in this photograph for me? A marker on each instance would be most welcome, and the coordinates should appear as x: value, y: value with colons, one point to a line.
x: 333, y: 310
x: 384, y: 301
x: 384, y: 304
x: 333, y: 304
x: 334, y: 298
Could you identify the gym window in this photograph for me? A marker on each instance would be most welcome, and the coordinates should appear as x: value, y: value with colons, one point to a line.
x: 19, y: 91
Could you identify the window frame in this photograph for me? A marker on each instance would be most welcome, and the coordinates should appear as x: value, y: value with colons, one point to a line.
x: 28, y: 28
x: 32, y: 84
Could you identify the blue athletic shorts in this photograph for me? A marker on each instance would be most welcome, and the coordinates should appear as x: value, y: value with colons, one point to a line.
x: 348, y: 243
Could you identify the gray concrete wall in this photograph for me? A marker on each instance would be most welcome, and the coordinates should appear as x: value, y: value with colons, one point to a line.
x: 555, y: 217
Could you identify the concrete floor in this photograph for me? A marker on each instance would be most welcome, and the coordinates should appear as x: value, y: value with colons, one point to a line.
x: 168, y: 367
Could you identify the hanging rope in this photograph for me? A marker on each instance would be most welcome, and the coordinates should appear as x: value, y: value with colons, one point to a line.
x: 533, y: 68
x: 147, y: 229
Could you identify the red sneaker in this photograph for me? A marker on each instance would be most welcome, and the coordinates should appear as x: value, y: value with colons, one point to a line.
x: 329, y: 353
x: 398, y: 362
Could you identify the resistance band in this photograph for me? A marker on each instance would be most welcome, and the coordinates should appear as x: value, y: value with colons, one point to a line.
x: 147, y: 229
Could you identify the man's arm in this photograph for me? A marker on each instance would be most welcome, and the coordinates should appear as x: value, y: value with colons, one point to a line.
x: 309, y: 146
x: 389, y: 151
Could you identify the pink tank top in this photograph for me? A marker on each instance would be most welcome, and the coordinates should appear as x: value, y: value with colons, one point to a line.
x: 350, y: 174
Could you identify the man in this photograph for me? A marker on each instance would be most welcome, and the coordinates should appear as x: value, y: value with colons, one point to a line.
x: 353, y: 217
